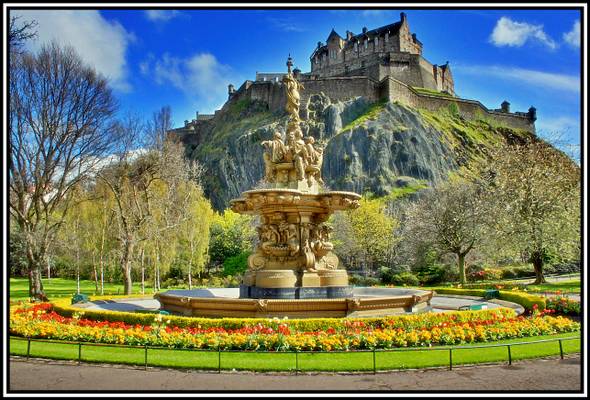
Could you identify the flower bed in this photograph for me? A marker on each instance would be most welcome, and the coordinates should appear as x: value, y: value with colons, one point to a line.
x: 564, y: 306
x: 41, y: 321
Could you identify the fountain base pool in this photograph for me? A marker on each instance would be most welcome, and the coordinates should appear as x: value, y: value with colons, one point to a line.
x: 364, y: 302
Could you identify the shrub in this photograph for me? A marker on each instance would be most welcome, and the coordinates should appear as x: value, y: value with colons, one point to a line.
x: 436, y: 273
x: 236, y: 265
x: 517, y: 271
x: 405, y: 278
x: 563, y: 268
x: 528, y: 301
x: 359, y: 280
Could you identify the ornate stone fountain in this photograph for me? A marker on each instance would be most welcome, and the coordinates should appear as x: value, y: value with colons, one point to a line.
x: 294, y: 257
x: 293, y: 271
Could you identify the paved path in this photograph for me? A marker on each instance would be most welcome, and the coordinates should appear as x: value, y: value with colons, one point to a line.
x: 534, y: 375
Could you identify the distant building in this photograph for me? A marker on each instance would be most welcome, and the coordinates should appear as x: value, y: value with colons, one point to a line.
x: 390, y: 50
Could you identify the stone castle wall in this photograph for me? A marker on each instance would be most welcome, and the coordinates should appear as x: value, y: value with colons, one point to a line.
x: 395, y: 90
x: 344, y: 88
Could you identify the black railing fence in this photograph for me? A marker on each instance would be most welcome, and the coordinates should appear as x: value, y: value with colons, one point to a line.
x: 296, y: 353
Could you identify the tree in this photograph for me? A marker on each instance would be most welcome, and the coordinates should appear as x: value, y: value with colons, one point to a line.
x: 152, y: 188
x: 19, y: 33
x: 60, y: 116
x: 535, y: 192
x: 448, y: 219
x: 365, y: 235
x: 231, y: 234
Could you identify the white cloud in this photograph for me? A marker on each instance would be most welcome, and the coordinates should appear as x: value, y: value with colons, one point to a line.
x: 200, y: 76
x: 512, y: 33
x: 101, y: 43
x: 161, y: 15
x: 285, y: 24
x: 556, y: 125
x: 375, y: 13
x: 574, y: 36
x: 569, y: 83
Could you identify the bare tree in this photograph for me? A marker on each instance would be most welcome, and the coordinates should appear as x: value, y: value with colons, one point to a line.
x: 60, y: 116
x: 151, y: 190
x: 449, y: 219
x: 158, y: 127
x: 535, y: 192
x: 19, y: 33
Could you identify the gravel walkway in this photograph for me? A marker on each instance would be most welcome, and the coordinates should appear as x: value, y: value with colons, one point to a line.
x: 531, y: 375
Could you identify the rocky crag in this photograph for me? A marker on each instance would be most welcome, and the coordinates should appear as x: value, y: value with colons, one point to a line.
x: 369, y: 147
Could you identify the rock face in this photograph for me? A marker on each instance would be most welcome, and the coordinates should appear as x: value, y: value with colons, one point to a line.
x: 368, y: 147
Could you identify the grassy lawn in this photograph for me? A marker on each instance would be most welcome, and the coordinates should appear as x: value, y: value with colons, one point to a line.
x: 57, y: 287
x: 344, y: 361
x: 565, y: 286
x: 571, y: 286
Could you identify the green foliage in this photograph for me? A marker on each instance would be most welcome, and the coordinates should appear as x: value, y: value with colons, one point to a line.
x: 437, y: 273
x: 405, y: 191
x: 365, y: 236
x: 371, y: 112
x: 359, y: 280
x: 404, y: 278
x: 236, y: 265
x: 454, y: 109
x: 231, y: 235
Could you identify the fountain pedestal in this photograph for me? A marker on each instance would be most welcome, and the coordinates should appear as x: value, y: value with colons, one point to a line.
x: 294, y: 258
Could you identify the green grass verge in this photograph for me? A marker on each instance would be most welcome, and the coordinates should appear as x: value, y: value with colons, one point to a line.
x: 344, y: 361
x: 58, y: 287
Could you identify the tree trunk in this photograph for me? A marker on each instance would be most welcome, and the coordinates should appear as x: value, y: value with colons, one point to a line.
x: 94, y: 272
x: 537, y: 260
x: 101, y: 276
x: 190, y: 269
x: 126, y: 265
x: 48, y: 268
x: 78, y: 270
x: 142, y: 271
x: 34, y: 260
x: 461, y: 265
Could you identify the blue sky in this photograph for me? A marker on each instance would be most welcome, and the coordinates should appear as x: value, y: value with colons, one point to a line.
x: 186, y: 58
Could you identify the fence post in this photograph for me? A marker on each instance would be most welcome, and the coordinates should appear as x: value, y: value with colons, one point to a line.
x: 450, y: 358
x: 79, y: 352
x: 509, y: 355
x: 146, y: 361
x: 560, y: 349
x: 296, y: 362
x: 28, y: 347
x: 218, y: 359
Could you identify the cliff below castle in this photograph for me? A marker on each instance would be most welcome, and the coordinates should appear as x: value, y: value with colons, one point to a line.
x: 368, y: 146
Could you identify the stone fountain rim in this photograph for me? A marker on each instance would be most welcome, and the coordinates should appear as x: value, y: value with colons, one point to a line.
x: 295, y: 191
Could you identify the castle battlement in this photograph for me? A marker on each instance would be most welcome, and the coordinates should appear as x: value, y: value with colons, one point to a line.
x: 390, y: 50
x: 382, y: 63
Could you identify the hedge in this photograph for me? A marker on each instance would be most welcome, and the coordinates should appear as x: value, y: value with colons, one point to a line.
x: 526, y: 300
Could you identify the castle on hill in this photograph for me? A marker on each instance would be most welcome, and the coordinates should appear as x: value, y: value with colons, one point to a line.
x: 382, y: 63
x: 391, y: 50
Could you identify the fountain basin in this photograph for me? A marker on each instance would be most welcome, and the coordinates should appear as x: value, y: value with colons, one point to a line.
x: 364, y: 302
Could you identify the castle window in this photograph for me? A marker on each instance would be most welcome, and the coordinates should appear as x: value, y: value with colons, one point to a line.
x: 386, y: 37
x: 376, y: 41
x: 356, y: 47
x: 366, y: 44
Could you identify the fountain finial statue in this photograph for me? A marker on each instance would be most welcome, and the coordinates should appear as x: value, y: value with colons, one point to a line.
x: 293, y: 87
x: 295, y: 163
